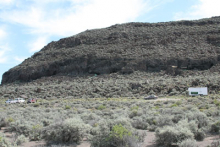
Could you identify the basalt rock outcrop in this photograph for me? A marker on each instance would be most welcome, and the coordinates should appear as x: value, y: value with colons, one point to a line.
x: 124, y: 48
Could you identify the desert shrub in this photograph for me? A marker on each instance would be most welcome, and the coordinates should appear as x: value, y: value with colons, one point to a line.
x: 67, y: 107
x: 134, y: 108
x: 21, y: 127
x: 101, y: 127
x: 199, y: 117
x: 199, y: 135
x: 90, y: 118
x: 212, y: 112
x: 139, y: 123
x: 27, y: 128
x: 215, y: 127
x: 10, y: 120
x: 46, y: 122
x: 126, y: 122
x: 36, y: 132
x: 216, y: 102
x: 151, y: 120
x: 3, y: 122
x: 36, y: 104
x: 152, y: 128
x: 176, y: 118
x: 69, y: 131
x: 179, y: 103
x: 133, y: 113
x: 3, y: 141
x: 21, y: 139
x: 117, y: 133
x: 101, y: 107
x: 188, y: 143
x: 174, y: 105
x: 164, y: 120
x: 117, y: 136
x: 169, y: 135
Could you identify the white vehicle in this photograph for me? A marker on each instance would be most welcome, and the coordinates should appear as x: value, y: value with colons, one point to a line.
x: 198, y: 91
x: 10, y: 101
x: 19, y: 100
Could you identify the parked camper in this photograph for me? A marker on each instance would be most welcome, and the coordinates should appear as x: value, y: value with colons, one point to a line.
x: 193, y: 91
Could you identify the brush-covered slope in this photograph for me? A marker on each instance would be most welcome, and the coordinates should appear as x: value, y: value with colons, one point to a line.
x: 126, y: 48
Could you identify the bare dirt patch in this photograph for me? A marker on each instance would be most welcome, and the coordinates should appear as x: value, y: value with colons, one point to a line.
x: 208, y: 141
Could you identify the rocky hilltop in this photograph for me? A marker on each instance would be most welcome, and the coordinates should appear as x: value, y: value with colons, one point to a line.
x: 126, y: 48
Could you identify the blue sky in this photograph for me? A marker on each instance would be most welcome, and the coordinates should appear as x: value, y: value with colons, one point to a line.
x: 26, y: 26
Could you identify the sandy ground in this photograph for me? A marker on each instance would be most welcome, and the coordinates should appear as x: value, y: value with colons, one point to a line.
x: 149, y: 140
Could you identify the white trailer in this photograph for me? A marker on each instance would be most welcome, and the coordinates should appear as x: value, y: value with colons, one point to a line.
x: 193, y: 91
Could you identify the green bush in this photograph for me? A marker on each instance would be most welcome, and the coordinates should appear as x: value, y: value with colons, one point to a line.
x: 67, y: 107
x: 36, y: 104
x: 174, y: 105
x: 69, y: 131
x: 21, y: 139
x: 176, y: 118
x: 36, y: 132
x: 3, y: 141
x: 3, y: 122
x: 215, y: 127
x: 169, y: 135
x: 152, y: 128
x: 134, y: 108
x: 46, y: 122
x: 9, y: 120
x: 118, y: 136
x: 188, y: 143
x: 200, y: 118
x: 216, y: 102
x: 101, y: 107
x: 139, y: 123
x: 133, y: 113
x: 21, y: 127
x: 200, y: 135
x: 164, y: 120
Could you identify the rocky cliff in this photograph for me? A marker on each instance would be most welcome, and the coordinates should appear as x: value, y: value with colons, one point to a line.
x: 125, y: 48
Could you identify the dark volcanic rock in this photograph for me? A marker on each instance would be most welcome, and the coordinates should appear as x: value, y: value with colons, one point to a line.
x: 126, y: 48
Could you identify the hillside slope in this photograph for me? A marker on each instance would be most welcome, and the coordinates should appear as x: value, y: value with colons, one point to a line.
x: 125, y: 48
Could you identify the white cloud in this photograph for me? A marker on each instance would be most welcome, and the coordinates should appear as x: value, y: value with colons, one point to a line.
x: 4, y: 49
x: 19, y: 59
x: 2, y: 34
x: 38, y: 44
x: 76, y: 17
x: 5, y: 2
x: 3, y: 59
x: 204, y: 9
